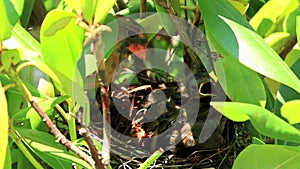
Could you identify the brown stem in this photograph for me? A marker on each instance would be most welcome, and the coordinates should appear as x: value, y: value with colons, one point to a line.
x: 288, y: 48
x: 93, y: 150
x: 143, y: 9
x: 103, y: 86
x: 106, y: 125
x: 59, y: 136
x: 196, y: 19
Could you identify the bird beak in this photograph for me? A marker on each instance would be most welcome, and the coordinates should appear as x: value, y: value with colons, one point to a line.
x: 139, y: 50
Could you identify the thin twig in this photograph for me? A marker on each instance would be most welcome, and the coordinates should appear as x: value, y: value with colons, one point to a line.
x: 103, y: 86
x: 197, y: 15
x: 53, y: 129
x: 87, y: 137
x: 94, y: 34
x: 143, y: 9
x: 59, y: 136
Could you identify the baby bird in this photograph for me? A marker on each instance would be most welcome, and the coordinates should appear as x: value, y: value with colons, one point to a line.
x: 132, y: 40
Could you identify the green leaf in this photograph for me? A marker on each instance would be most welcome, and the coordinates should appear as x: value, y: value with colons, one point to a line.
x: 279, y: 40
x: 258, y: 56
x: 10, y: 57
x: 211, y: 10
x: 5, y: 27
x: 76, y: 5
x: 29, y: 115
x: 61, y: 45
x: 45, y: 69
x: 239, y: 82
x: 102, y: 9
x: 58, y: 25
x: 164, y: 17
x: 298, y: 24
x: 288, y: 23
x: 265, y: 20
x: 293, y: 55
x: 256, y: 140
x: 263, y: 120
x: 291, y: 111
x: 240, y: 5
x: 26, y: 13
x: 14, y: 9
x: 7, y: 164
x: 22, y: 39
x: 53, y: 153
x: 15, y: 100
x: 268, y: 156
x: 286, y: 93
x: 231, y: 112
x: 4, y: 127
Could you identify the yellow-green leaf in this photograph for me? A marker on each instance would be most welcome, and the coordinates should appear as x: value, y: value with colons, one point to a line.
x: 4, y: 126
x: 240, y: 5
x: 291, y: 111
x: 258, y: 56
x: 102, y: 9
x: 5, y: 27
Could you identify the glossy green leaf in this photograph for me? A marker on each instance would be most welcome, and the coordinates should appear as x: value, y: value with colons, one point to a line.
x: 288, y: 23
x: 84, y: 6
x: 14, y: 9
x: 231, y: 112
x: 89, y: 8
x: 257, y: 55
x: 240, y: 83
x: 240, y: 5
x: 22, y: 39
x: 5, y: 26
x: 263, y: 120
x: 53, y: 153
x: 58, y: 25
x: 102, y: 9
x: 18, y: 4
x: 4, y: 127
x: 291, y: 111
x: 46, y: 70
x: 21, y: 117
x: 268, y: 156
x: 265, y: 20
x: 10, y: 57
x: 256, y: 140
x: 15, y: 100
x: 19, y: 158
x: 293, y: 55
x: 298, y: 24
x: 165, y: 21
x: 76, y: 5
x: 26, y: 14
x: 279, y: 40
x: 211, y: 10
x: 61, y: 45
x: 286, y: 93
x: 254, y: 6
x: 272, y: 85
x: 45, y: 87
x: 7, y: 164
